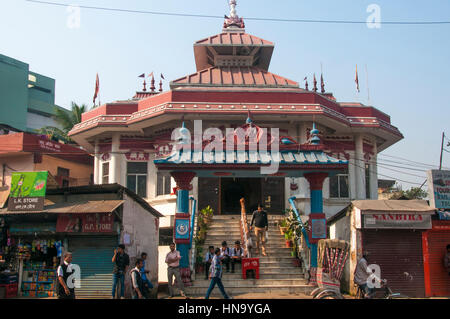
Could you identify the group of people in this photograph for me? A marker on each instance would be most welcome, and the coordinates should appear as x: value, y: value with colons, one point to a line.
x: 140, y: 284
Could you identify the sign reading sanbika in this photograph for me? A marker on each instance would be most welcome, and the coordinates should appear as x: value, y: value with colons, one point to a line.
x: 27, y: 191
x: 439, y: 188
x: 405, y: 220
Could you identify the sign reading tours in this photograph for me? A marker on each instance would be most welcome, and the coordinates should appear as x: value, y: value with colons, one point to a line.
x: 85, y: 223
x: 439, y: 188
x: 398, y: 220
x: 27, y: 191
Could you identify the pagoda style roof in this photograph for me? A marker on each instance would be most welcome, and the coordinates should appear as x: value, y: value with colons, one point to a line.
x: 238, y: 38
x: 233, y: 47
x: 234, y: 76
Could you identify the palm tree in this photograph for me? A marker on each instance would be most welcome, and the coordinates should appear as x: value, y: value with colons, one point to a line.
x: 66, y: 120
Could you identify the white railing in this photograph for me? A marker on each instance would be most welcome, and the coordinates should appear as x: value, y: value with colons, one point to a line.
x: 245, y: 234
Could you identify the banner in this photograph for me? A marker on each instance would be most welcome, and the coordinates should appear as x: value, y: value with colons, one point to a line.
x: 85, y: 223
x: 27, y: 191
x: 439, y: 188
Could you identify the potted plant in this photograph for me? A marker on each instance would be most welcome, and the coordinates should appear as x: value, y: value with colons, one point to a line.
x: 283, y: 226
x: 288, y: 238
x: 199, y: 266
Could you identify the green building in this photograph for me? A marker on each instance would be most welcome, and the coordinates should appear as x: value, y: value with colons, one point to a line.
x: 27, y: 99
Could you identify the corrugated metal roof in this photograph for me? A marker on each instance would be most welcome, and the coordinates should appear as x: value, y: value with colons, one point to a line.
x: 393, y: 205
x: 250, y: 157
x: 100, y: 206
x: 233, y: 38
x: 234, y: 76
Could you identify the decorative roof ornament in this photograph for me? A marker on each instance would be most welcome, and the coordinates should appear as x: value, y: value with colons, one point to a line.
x: 249, y: 118
x: 233, y: 21
x: 315, y: 139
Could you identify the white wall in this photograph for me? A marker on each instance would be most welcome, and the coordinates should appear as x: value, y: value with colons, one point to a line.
x: 163, y: 250
x: 141, y: 225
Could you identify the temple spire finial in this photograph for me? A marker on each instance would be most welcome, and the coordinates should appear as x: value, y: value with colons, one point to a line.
x: 233, y: 21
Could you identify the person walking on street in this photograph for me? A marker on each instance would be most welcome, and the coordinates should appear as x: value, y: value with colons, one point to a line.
x: 121, y: 262
x: 216, y: 276
x: 259, y: 218
x: 137, y: 282
x: 64, y: 271
x: 147, y: 283
x: 225, y: 255
x: 237, y: 253
x: 173, y: 262
x: 447, y: 259
x: 208, y: 260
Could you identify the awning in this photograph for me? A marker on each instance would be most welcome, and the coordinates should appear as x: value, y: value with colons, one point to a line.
x: 292, y: 163
x: 393, y: 206
x: 4, y: 193
x: 81, y: 207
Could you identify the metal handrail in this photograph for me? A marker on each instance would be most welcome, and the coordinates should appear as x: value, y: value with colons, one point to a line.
x: 245, y: 232
x: 192, y: 243
x: 297, y: 215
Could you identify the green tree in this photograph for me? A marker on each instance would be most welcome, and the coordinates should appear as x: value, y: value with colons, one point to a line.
x: 66, y: 120
x: 412, y: 193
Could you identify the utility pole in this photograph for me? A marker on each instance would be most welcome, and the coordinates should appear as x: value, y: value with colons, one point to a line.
x: 442, y: 150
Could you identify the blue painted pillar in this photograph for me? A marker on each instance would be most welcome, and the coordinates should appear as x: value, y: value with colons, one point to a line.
x: 315, y: 184
x: 182, y: 222
x: 182, y: 210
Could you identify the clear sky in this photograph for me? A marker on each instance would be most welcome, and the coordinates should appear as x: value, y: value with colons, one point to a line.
x: 408, y: 65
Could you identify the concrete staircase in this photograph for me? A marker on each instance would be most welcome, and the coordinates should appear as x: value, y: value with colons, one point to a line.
x: 278, y: 275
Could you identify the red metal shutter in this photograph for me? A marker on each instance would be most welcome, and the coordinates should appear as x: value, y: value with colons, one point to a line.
x: 399, y: 254
x: 438, y: 275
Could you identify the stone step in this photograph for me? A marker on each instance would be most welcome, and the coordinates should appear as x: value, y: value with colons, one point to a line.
x: 263, y: 276
x: 287, y: 289
x: 236, y: 283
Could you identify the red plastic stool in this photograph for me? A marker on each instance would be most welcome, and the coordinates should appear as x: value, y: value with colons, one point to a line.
x: 250, y: 263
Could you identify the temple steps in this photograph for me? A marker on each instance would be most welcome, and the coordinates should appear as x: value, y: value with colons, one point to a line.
x: 278, y: 273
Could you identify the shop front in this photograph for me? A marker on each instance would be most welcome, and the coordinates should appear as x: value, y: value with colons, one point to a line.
x: 434, y: 242
x: 36, y: 242
x: 391, y: 231
x: 87, y: 221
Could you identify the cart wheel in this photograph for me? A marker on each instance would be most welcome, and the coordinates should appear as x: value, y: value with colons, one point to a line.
x: 329, y: 295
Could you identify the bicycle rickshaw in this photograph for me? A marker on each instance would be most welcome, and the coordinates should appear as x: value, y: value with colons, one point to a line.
x: 331, y: 258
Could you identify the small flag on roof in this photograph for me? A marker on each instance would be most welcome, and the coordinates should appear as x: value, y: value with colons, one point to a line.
x: 142, y: 75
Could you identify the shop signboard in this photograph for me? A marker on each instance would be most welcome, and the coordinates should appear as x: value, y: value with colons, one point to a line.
x: 85, y: 223
x: 439, y: 188
x: 318, y: 227
x: 397, y: 221
x: 27, y: 191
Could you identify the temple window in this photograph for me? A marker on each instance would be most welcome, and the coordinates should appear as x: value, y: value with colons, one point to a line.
x: 163, y: 183
x: 137, y: 177
x: 339, y: 186
x: 105, y: 173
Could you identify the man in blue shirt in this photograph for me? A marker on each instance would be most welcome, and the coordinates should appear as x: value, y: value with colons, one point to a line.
x: 216, y: 276
x: 147, y: 283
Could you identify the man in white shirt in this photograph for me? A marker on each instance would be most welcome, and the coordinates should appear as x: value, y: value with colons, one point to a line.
x: 64, y: 271
x: 173, y: 262
x: 237, y: 253
x: 362, y: 274
x: 139, y: 291
x: 225, y: 255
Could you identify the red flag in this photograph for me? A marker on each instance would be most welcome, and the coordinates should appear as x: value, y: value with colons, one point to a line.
x: 142, y: 75
x: 150, y: 75
x: 97, y: 87
x: 356, y: 79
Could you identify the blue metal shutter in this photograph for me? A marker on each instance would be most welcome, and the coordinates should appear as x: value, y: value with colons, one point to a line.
x: 93, y: 254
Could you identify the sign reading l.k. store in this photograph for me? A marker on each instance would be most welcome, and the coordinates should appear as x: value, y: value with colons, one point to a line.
x: 398, y: 220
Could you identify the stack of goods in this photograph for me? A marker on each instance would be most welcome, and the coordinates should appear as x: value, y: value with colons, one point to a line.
x: 38, y: 281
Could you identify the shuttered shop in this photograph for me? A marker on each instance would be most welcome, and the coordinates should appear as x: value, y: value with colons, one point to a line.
x: 93, y: 254
x: 437, y: 279
x: 398, y: 252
